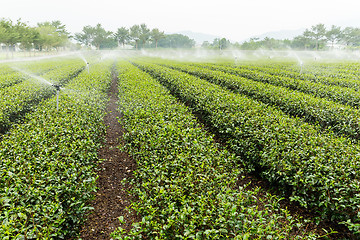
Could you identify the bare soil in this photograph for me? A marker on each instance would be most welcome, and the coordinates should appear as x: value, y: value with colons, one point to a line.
x: 253, y: 180
x: 112, y: 197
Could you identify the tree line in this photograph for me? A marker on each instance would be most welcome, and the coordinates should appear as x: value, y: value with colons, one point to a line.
x: 48, y: 36
x: 315, y: 38
x: 138, y: 36
x: 44, y: 36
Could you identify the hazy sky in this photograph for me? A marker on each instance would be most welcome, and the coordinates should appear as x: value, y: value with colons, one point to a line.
x: 232, y: 19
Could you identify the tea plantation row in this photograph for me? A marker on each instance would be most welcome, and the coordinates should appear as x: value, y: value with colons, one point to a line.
x: 47, y: 163
x: 317, y: 169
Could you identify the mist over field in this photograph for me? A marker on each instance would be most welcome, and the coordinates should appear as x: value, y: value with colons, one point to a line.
x: 179, y: 119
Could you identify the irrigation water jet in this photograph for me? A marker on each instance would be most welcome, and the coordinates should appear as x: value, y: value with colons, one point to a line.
x: 57, y: 87
x: 86, y: 62
x: 32, y: 75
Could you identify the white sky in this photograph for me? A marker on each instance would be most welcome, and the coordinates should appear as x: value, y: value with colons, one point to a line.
x: 232, y: 19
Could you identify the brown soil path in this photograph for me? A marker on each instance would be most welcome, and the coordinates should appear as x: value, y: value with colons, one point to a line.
x: 111, y: 199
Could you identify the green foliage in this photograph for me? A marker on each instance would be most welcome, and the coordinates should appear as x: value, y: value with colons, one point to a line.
x: 315, y: 38
x: 330, y: 89
x: 176, y: 41
x: 217, y: 43
x: 47, y: 164
x: 339, y: 75
x: 341, y: 119
x: 51, y: 35
x: 135, y: 32
x: 184, y: 182
x: 318, y: 170
x: 20, y: 98
x: 156, y: 35
x: 267, y: 43
x: 46, y: 35
x: 122, y: 35
x: 96, y: 36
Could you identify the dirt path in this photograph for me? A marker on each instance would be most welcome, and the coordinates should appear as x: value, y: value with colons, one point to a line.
x: 111, y: 198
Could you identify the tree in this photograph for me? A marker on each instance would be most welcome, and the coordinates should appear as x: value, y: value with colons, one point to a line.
x: 108, y: 43
x: 351, y: 36
x: 62, y: 34
x: 5, y: 26
x: 334, y: 35
x: 122, y: 36
x: 176, y: 41
x: 144, y: 34
x: 100, y: 36
x: 135, y: 32
x: 221, y: 43
x: 318, y: 33
x: 252, y: 44
x: 52, y: 35
x: 205, y: 44
x: 302, y: 42
x: 96, y: 36
x: 156, y: 35
x: 19, y: 33
x: 86, y: 36
x: 48, y: 36
x: 29, y: 37
x: 8, y: 34
x: 305, y: 41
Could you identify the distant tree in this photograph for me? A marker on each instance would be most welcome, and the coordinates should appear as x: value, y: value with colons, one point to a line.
x: 5, y: 26
x: 347, y: 36
x: 8, y: 33
x: 317, y: 33
x: 271, y: 43
x: 101, y: 36
x: 135, y: 33
x: 48, y: 36
x: 18, y: 33
x: 334, y: 35
x: 109, y: 43
x: 266, y: 43
x: 221, y: 43
x: 144, y: 34
x: 156, y: 35
x: 205, y: 44
x: 62, y: 34
x: 252, y: 44
x: 176, y: 41
x: 351, y: 36
x: 236, y: 45
x: 96, y: 36
x: 86, y: 36
x: 29, y: 37
x: 52, y: 35
x: 122, y: 36
x: 301, y: 42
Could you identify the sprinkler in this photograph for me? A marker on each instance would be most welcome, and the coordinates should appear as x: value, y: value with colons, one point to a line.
x: 87, y: 66
x: 301, y: 67
x: 57, y: 87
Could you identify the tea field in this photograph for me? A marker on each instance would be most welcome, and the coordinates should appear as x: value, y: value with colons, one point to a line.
x: 195, y: 130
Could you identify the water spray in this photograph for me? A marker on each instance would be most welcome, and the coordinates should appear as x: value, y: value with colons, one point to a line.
x: 57, y: 87
x: 86, y: 62
x: 301, y: 67
x: 40, y: 79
